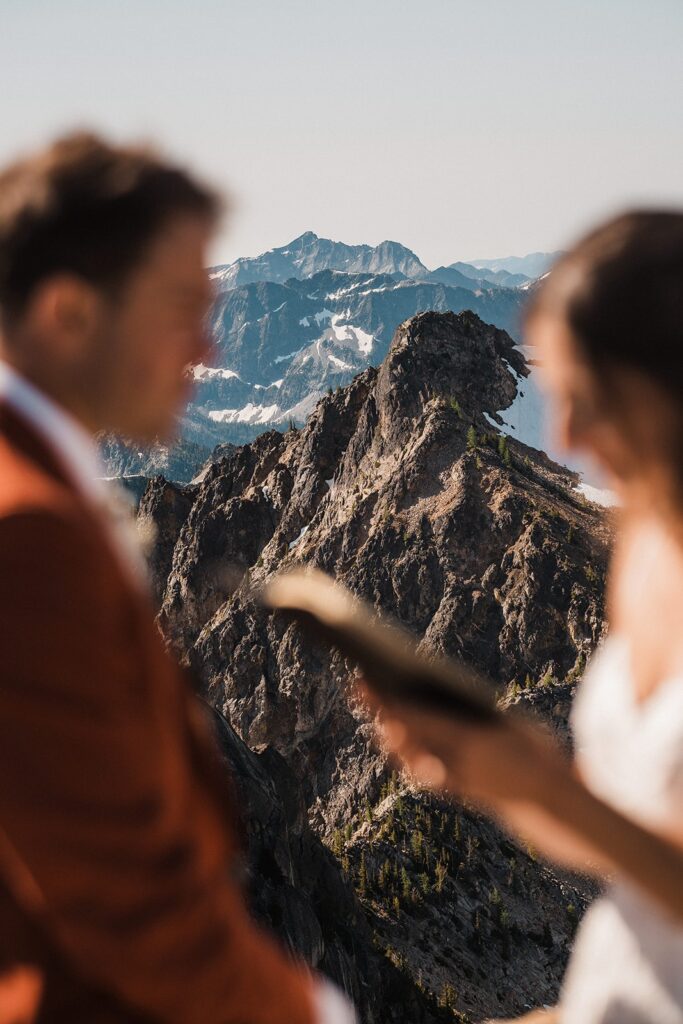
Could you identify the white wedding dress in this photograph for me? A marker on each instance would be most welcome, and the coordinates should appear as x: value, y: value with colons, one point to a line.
x: 627, y: 962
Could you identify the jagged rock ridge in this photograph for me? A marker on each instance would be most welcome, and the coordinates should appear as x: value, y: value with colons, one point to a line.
x: 400, y: 487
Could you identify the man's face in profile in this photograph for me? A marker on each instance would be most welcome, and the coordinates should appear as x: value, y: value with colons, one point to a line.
x: 154, y: 330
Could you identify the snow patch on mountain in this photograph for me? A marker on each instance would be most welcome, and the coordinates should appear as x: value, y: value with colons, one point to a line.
x: 355, y: 336
x: 202, y: 372
x: 339, y: 362
x: 302, y: 409
x: 324, y: 314
x: 250, y: 413
x: 600, y: 495
x: 527, y: 420
x: 302, y: 534
x: 290, y: 355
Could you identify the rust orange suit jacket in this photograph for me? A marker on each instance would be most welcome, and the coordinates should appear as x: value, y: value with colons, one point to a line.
x: 115, y: 847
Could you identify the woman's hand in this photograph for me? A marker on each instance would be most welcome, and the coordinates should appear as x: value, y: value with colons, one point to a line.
x: 492, y: 764
x: 513, y: 770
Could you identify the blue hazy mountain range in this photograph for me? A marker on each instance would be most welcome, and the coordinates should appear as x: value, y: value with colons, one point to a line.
x: 308, y: 254
x: 297, y: 321
x: 292, y: 323
x: 533, y: 265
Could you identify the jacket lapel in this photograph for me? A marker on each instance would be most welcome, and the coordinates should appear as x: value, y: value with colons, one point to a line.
x: 24, y: 438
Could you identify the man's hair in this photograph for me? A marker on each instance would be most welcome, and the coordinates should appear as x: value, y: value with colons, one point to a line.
x: 86, y: 207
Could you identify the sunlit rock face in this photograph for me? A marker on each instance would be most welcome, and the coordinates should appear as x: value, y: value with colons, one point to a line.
x: 405, y: 485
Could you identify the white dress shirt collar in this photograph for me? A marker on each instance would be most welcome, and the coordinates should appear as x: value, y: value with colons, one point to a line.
x: 70, y: 442
x: 78, y: 455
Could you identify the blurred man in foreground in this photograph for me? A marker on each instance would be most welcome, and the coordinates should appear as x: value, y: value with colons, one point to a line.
x: 117, y: 856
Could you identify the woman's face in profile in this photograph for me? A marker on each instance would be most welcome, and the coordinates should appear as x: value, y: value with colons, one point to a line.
x: 619, y: 421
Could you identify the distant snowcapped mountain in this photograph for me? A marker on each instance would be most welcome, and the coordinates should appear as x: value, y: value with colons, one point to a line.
x: 501, y: 278
x: 532, y: 265
x: 280, y: 347
x: 305, y: 318
x: 308, y: 254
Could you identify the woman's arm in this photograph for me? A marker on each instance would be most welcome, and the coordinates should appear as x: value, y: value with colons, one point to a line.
x: 517, y: 773
x: 578, y: 830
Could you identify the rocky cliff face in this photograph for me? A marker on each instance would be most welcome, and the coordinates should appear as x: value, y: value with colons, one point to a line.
x: 400, y: 487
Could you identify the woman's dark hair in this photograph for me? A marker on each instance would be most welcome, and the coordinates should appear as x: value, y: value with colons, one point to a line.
x: 86, y: 207
x: 620, y: 292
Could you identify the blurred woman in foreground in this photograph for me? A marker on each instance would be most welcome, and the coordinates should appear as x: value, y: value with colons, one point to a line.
x: 607, y: 324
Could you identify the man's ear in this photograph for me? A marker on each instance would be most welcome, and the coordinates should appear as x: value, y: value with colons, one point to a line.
x: 64, y: 316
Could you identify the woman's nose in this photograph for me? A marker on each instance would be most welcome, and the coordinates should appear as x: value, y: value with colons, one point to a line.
x: 562, y: 428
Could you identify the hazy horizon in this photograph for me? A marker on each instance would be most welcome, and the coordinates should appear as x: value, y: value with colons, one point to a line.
x: 464, y: 131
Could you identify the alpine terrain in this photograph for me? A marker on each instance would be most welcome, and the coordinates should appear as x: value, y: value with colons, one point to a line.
x: 406, y: 485
x: 297, y: 321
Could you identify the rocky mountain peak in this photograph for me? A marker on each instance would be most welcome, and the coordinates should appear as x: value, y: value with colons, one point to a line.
x: 383, y: 486
x: 394, y: 258
x: 403, y: 487
x: 309, y: 253
x: 303, y: 240
x: 450, y: 358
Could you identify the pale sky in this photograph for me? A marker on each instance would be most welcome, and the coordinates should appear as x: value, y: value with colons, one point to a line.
x: 463, y: 128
